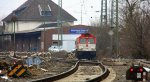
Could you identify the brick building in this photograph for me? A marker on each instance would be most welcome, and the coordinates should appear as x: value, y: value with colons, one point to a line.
x: 31, y: 26
x: 28, y: 22
x: 67, y: 32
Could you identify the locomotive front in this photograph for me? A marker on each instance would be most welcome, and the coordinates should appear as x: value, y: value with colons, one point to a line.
x: 86, y: 46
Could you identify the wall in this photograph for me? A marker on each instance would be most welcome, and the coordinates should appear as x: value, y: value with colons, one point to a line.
x: 27, y: 25
x: 66, y: 30
x: 22, y: 25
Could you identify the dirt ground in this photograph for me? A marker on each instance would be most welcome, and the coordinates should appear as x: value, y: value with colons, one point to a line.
x: 83, y: 74
x: 52, y: 64
x: 118, y: 70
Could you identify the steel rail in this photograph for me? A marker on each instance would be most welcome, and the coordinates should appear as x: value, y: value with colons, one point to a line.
x: 73, y: 70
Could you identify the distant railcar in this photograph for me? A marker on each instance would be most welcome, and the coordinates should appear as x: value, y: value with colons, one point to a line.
x: 86, y: 46
x: 136, y: 73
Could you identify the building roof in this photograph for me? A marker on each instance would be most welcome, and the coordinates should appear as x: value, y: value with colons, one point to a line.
x: 30, y: 11
x: 38, y: 29
x: 47, y: 25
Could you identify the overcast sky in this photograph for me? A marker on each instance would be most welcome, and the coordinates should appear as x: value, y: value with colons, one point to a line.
x: 72, y: 6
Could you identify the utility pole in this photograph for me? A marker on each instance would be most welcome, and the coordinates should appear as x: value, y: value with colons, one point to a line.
x: 2, y: 37
x: 113, y: 14
x: 14, y: 19
x: 117, y: 30
x: 44, y: 31
x: 82, y: 3
x: 81, y: 12
x: 114, y: 26
x: 103, y: 13
x: 59, y: 21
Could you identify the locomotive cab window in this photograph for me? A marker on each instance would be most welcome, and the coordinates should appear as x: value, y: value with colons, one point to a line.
x: 82, y: 40
x: 91, y: 41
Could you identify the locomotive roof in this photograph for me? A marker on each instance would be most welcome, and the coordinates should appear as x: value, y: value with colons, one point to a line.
x: 86, y: 35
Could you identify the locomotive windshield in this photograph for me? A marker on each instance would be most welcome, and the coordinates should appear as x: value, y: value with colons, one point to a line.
x: 82, y: 40
x: 91, y: 41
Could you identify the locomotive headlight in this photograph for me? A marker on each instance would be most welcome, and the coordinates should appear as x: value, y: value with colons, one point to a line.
x: 81, y: 47
x: 92, y: 48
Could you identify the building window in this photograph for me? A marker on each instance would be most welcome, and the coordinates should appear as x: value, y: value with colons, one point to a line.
x: 45, y: 13
x: 55, y: 43
x: 45, y: 10
x: 7, y: 38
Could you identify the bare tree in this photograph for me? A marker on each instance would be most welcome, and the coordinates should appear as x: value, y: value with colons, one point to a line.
x: 136, y: 29
x: 103, y: 39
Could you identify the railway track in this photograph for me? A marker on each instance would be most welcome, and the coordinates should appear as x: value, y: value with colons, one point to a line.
x: 95, y: 70
x: 88, y: 71
x: 145, y: 63
x: 85, y: 72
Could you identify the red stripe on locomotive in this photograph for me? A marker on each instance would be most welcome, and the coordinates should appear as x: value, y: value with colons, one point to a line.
x: 87, y: 36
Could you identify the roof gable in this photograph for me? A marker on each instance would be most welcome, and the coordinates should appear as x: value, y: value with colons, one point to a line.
x: 30, y: 11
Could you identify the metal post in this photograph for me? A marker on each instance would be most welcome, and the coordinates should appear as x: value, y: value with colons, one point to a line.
x: 13, y: 19
x: 117, y: 32
x: 114, y: 26
x: 112, y: 14
x: 111, y: 43
x: 81, y: 12
x: 2, y: 40
x: 14, y: 40
x: 103, y: 13
x: 44, y: 38
x: 59, y: 21
x: 111, y: 38
x: 44, y: 31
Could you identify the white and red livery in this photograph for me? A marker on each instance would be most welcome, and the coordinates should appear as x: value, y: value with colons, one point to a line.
x: 86, y: 46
